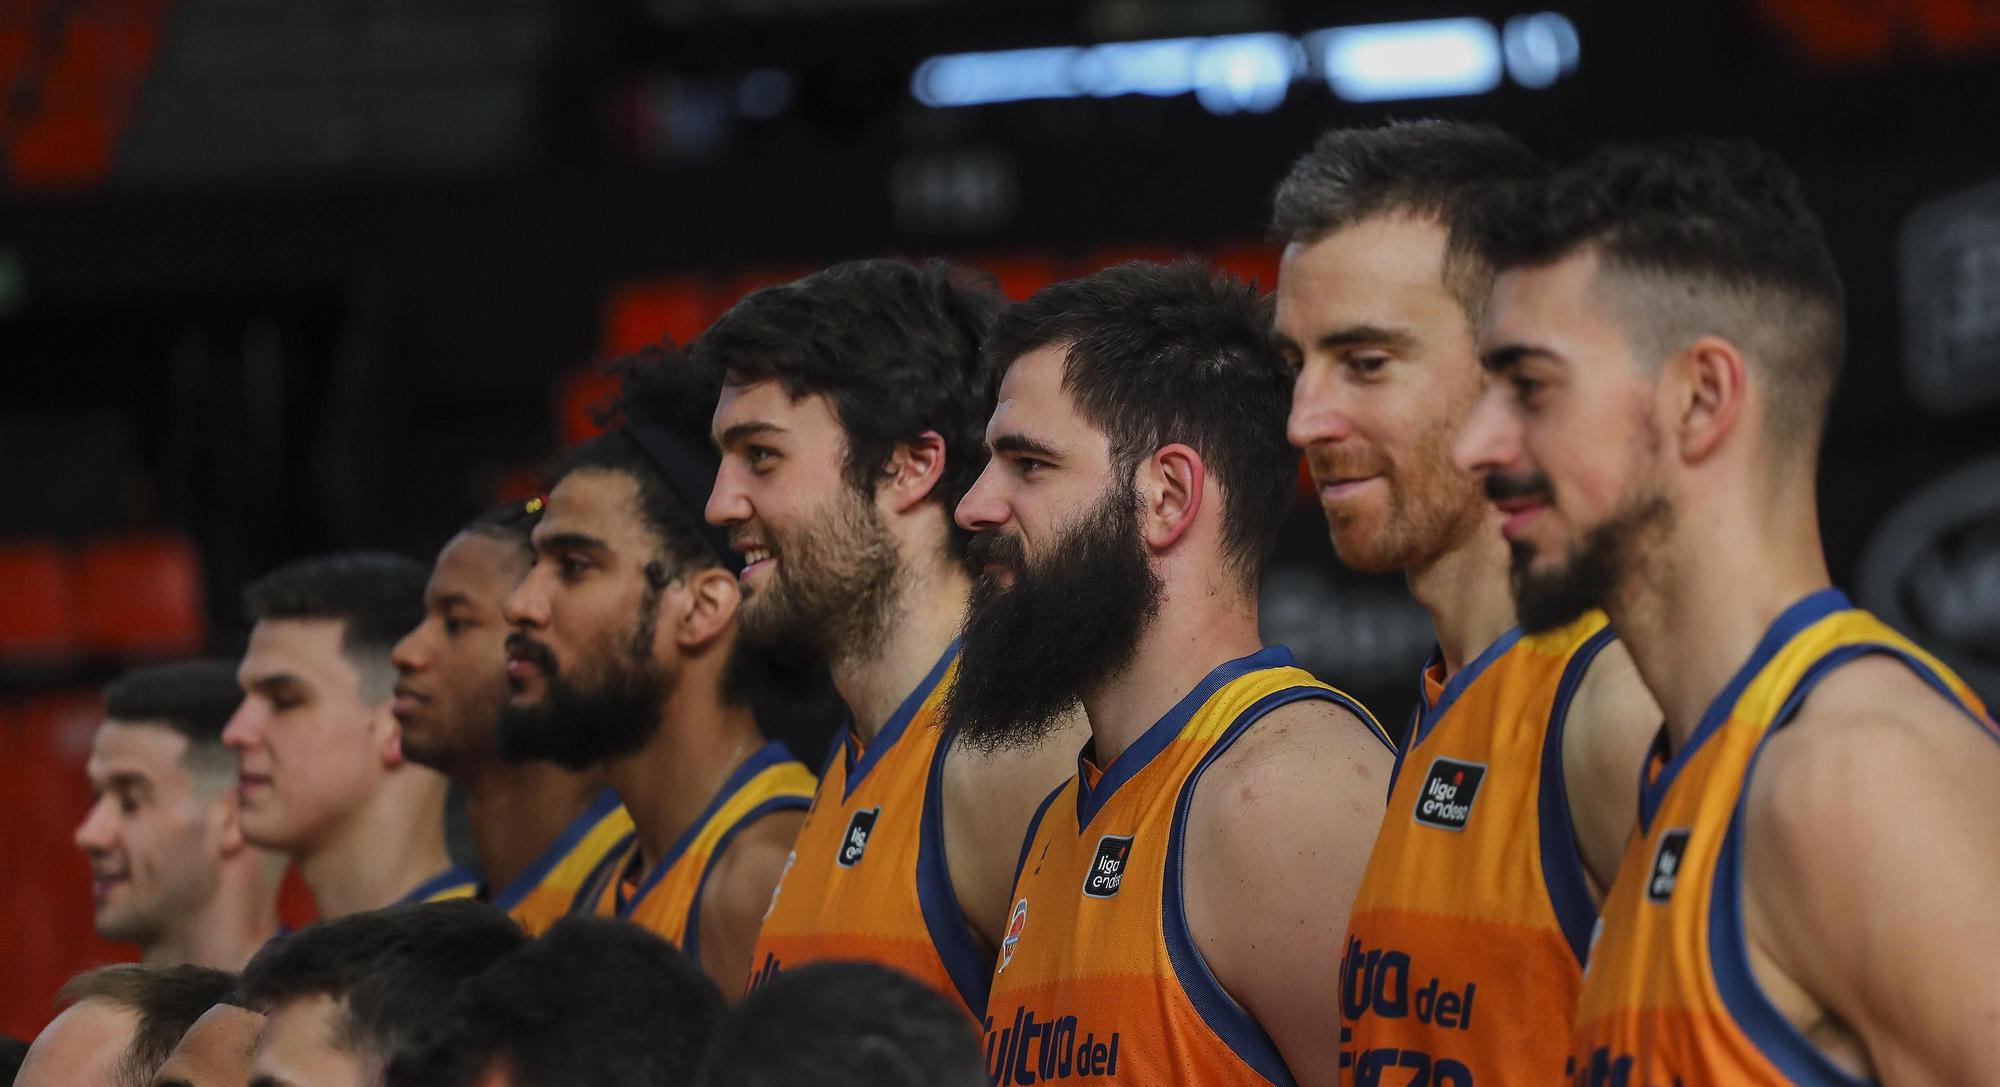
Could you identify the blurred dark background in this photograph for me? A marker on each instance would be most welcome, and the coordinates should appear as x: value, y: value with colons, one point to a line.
x: 279, y: 278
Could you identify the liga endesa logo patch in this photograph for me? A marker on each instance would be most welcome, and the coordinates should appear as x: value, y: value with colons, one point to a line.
x: 1449, y: 789
x: 1107, y: 869
x: 855, y: 842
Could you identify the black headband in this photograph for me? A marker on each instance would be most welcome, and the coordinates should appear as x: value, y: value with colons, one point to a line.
x: 688, y: 469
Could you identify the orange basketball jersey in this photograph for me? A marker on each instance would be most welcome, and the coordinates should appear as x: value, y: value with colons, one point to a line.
x: 867, y: 879
x: 545, y: 891
x: 666, y: 901
x: 1098, y: 976
x: 1669, y: 997
x: 1465, y: 947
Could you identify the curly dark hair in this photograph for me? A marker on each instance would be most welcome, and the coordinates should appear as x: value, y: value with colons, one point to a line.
x: 1158, y: 354
x: 1699, y: 236
x: 893, y: 347
x: 1435, y: 169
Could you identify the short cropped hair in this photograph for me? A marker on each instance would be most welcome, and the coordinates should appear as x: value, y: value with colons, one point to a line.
x: 1431, y: 169
x: 379, y: 597
x: 193, y: 698
x: 1157, y: 354
x: 593, y: 1003
x: 395, y: 971
x: 893, y: 347
x: 167, y: 1000
x: 1695, y: 237
x: 844, y: 1024
x: 512, y: 523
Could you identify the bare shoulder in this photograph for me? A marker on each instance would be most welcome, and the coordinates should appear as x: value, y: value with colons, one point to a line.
x: 1313, y: 743
x: 749, y: 867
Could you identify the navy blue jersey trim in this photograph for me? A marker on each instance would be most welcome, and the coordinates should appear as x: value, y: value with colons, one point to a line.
x: 971, y: 969
x: 1035, y: 828
x: 691, y: 930
x: 1562, y: 861
x: 1217, y: 1008
x: 1090, y: 799
x: 898, y: 723
x: 571, y: 836
x: 1728, y: 950
x: 1795, y: 619
x: 615, y: 861
x: 1409, y: 733
x: 454, y: 876
x: 771, y: 754
x: 1428, y: 716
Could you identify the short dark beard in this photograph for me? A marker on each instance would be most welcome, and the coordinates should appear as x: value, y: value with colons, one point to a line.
x: 1067, y: 624
x: 577, y: 726
x: 835, y: 585
x: 1592, y: 571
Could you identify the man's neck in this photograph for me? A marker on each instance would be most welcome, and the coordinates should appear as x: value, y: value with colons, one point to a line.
x: 380, y: 854
x: 668, y: 784
x: 515, y: 811
x: 1185, y: 642
x: 1467, y: 594
x: 929, y: 612
x: 1696, y: 610
x: 240, y: 917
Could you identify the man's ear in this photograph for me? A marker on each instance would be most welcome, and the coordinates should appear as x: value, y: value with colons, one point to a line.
x: 225, y: 817
x: 1709, y: 394
x: 913, y: 471
x: 703, y: 612
x: 1170, y: 490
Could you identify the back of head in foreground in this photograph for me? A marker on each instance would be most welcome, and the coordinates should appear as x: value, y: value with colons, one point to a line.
x: 843, y: 1024
x: 345, y: 996
x: 119, y: 1023
x: 593, y: 1003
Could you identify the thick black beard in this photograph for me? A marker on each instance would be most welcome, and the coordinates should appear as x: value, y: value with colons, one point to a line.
x: 834, y: 588
x: 1590, y: 574
x: 577, y: 726
x: 1032, y: 651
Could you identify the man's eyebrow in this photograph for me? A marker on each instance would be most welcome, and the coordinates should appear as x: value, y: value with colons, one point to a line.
x: 737, y: 432
x: 1366, y: 335
x: 274, y: 680
x: 1501, y: 359
x: 570, y: 541
x: 442, y: 601
x: 1022, y: 444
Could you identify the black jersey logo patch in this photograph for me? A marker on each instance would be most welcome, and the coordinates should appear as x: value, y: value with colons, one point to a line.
x: 1667, y: 864
x: 855, y: 841
x: 1449, y: 789
x: 1107, y: 869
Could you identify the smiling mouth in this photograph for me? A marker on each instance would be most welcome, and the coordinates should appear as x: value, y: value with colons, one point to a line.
x: 756, y: 558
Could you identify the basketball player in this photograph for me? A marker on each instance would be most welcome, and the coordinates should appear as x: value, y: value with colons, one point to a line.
x: 170, y: 870
x: 323, y: 777
x: 1181, y: 898
x: 1513, y: 796
x: 1809, y: 898
x: 623, y: 656
x: 539, y: 829
x: 849, y: 426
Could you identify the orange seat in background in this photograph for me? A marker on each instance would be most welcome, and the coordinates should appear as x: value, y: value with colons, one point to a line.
x: 39, y: 623
x: 141, y: 596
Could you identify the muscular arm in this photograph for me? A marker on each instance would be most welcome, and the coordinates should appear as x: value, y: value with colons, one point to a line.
x: 1277, y: 837
x: 988, y: 800
x: 738, y: 894
x: 1612, y: 722
x: 1872, y: 878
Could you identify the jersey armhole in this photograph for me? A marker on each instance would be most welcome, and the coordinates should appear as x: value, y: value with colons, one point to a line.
x: 691, y: 931
x: 1227, y: 1018
x: 950, y: 933
x: 1562, y: 858
x: 1728, y: 948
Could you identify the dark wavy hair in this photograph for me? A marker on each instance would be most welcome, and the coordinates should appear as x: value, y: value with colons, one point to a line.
x: 1157, y: 354
x: 893, y: 347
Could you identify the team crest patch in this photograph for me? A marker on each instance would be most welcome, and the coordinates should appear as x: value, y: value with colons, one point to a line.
x: 1449, y: 789
x: 1667, y: 864
x: 855, y: 841
x: 1015, y: 926
x: 1107, y: 869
